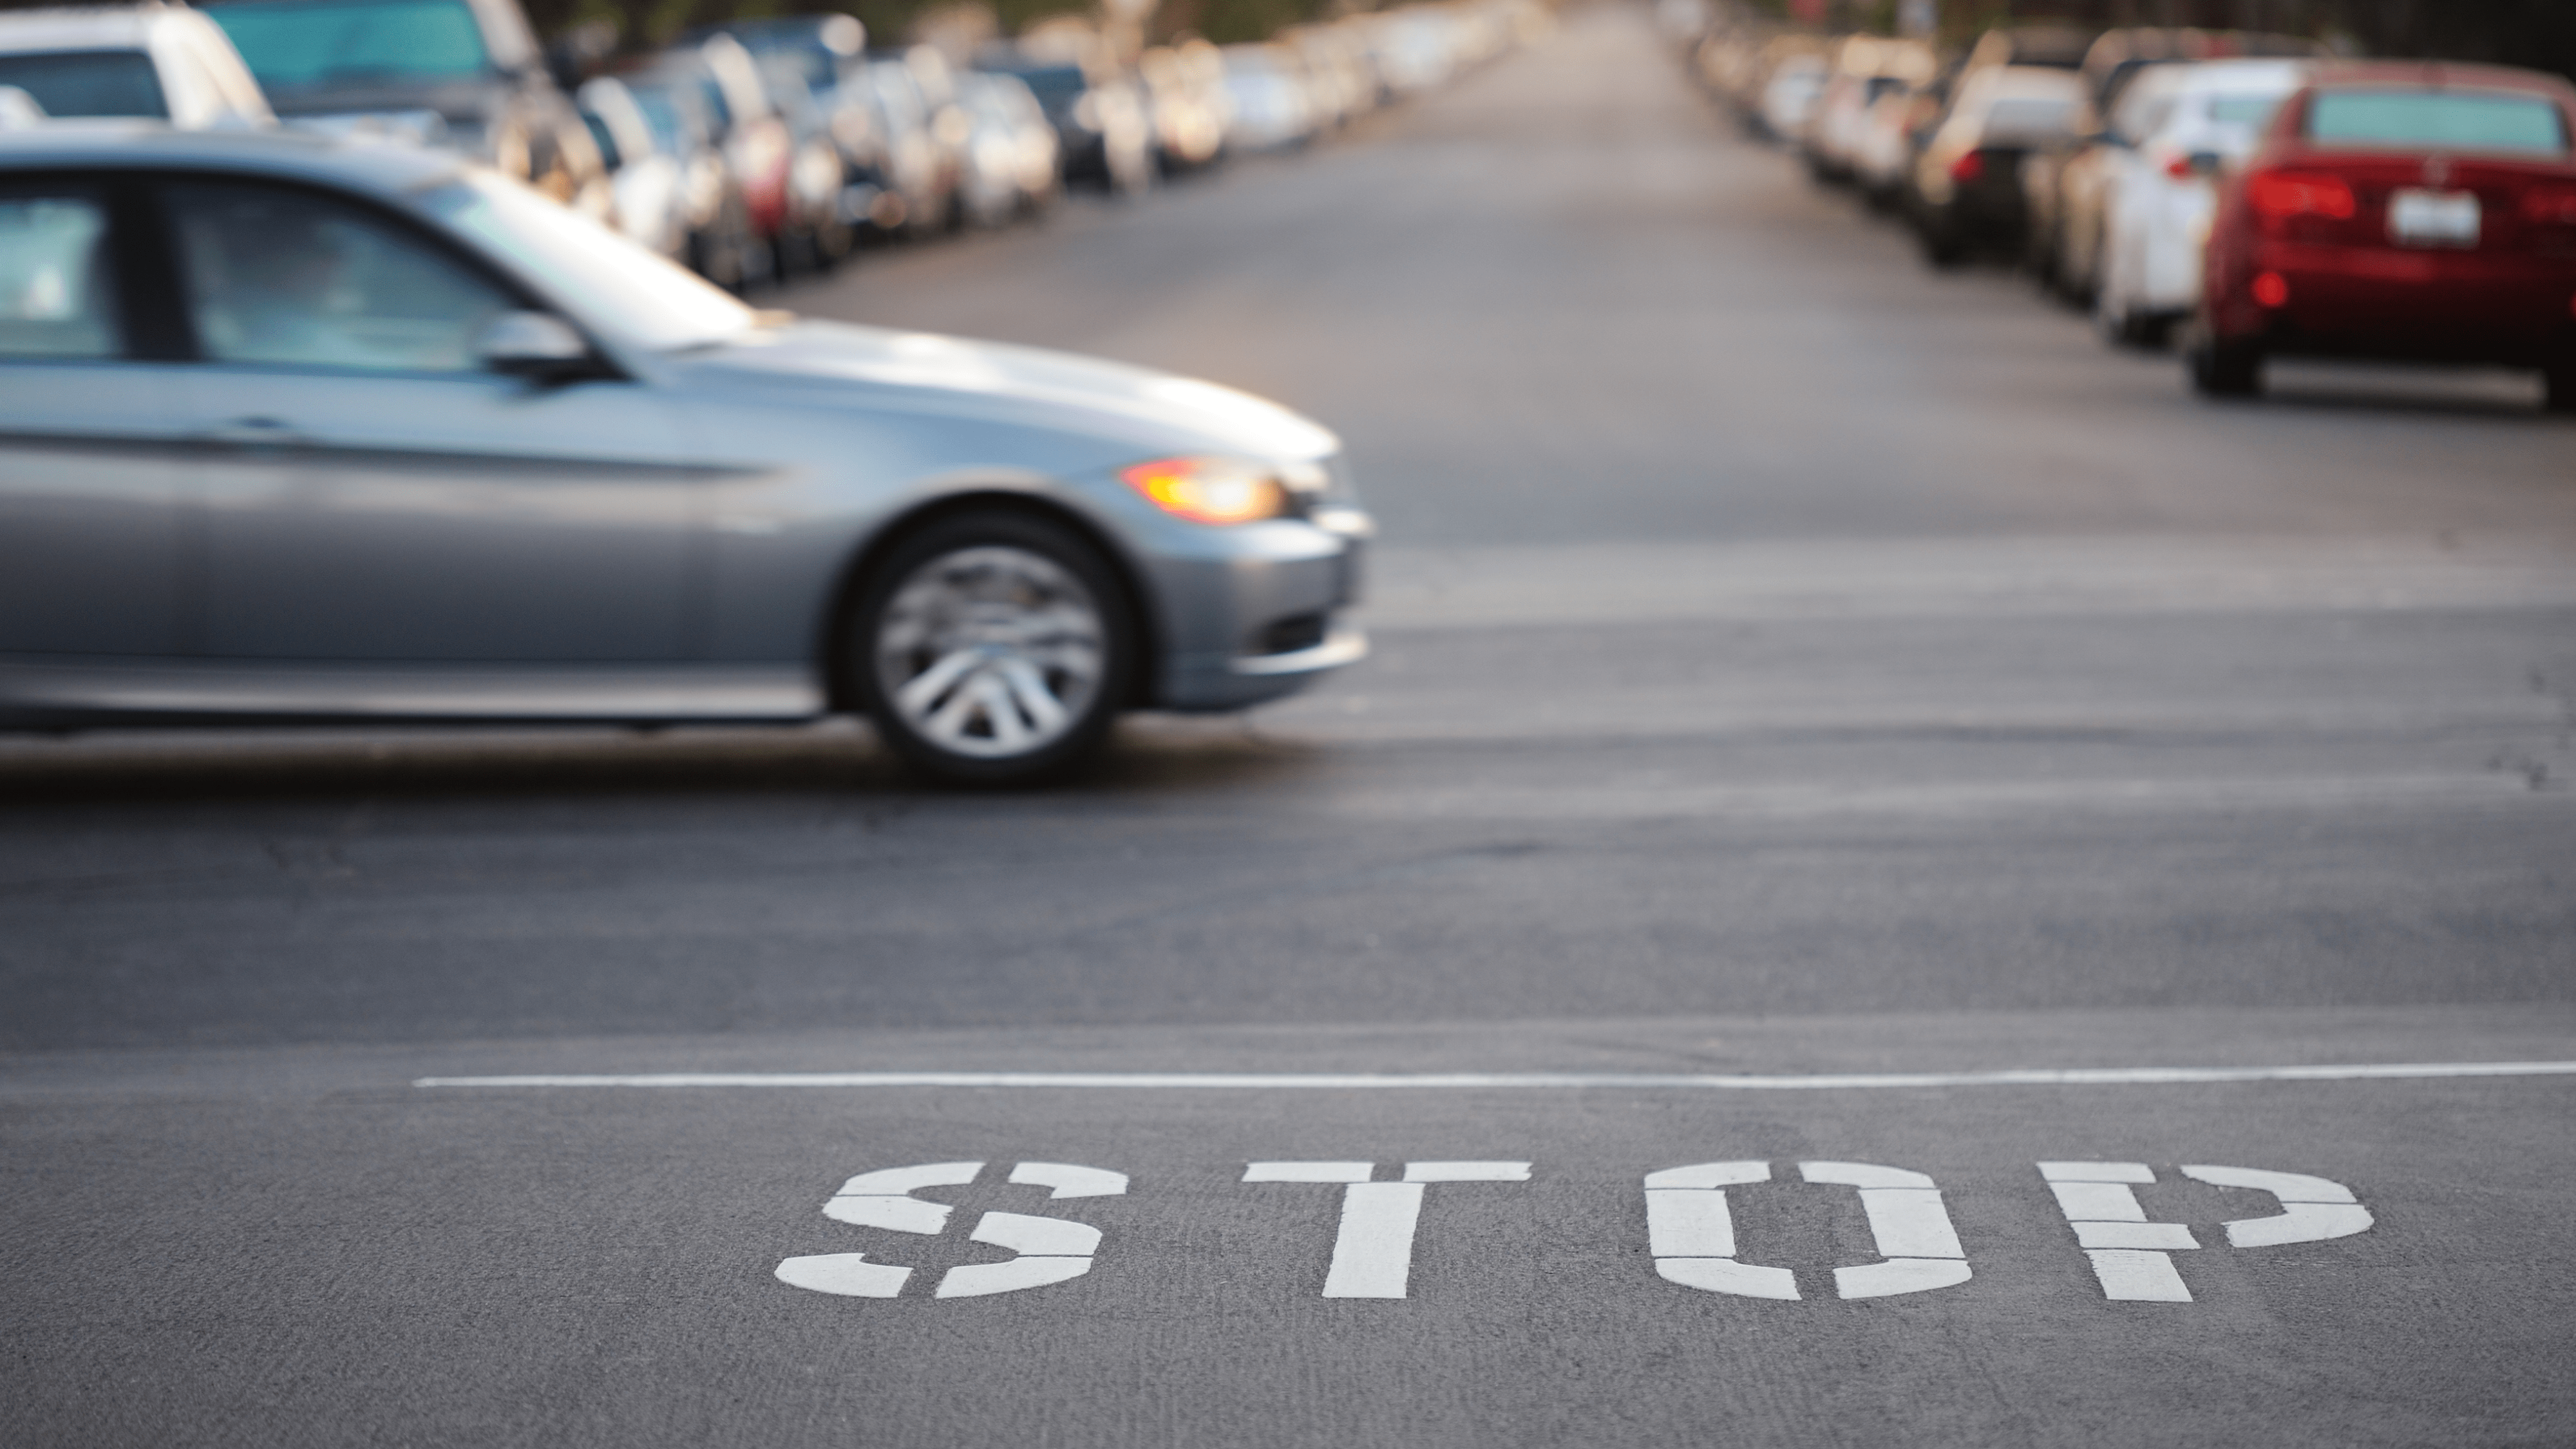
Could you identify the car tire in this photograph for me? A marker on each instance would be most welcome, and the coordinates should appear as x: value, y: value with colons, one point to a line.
x: 992, y: 648
x: 2558, y: 386
x: 2221, y: 367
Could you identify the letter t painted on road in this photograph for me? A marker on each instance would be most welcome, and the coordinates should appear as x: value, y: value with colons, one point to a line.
x: 1373, y: 1249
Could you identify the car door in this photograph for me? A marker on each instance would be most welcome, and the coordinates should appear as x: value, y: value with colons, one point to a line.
x: 93, y: 512
x: 373, y: 493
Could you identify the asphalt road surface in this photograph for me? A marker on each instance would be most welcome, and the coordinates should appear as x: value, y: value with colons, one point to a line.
x: 1830, y: 722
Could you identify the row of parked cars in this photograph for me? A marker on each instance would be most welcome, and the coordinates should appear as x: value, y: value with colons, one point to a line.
x: 750, y: 150
x: 2250, y: 195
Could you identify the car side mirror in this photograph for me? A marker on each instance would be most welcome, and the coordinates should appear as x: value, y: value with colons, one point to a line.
x: 535, y: 345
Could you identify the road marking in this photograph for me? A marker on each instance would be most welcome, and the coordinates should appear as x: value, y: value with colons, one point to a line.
x: 1691, y: 1234
x: 2312, y: 1208
x: 1453, y: 1081
x: 2131, y: 1256
x: 1051, y: 1250
x: 1373, y: 1246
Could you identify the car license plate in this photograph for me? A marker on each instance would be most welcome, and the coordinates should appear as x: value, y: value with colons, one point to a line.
x: 2433, y: 218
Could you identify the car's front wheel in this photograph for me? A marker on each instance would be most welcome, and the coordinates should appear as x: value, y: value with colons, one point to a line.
x: 993, y: 648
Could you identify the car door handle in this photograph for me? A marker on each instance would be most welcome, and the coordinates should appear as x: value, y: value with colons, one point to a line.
x: 256, y: 432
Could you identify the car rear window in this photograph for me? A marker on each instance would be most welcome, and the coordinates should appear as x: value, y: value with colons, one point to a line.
x: 87, y: 82
x: 2029, y: 116
x: 316, y: 44
x: 2464, y: 120
x: 2249, y: 111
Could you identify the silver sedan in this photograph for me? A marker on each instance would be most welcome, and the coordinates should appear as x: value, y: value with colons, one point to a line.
x: 299, y: 430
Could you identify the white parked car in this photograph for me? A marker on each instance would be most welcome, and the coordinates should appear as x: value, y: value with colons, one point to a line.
x: 2159, y: 195
x: 153, y: 61
x: 1272, y: 110
x: 1789, y: 98
x: 651, y: 184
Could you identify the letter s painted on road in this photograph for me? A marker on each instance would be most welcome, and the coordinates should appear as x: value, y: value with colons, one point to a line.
x: 1051, y: 1250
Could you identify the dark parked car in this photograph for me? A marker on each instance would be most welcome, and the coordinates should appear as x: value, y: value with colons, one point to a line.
x: 1965, y: 189
x: 463, y: 74
x: 1100, y: 122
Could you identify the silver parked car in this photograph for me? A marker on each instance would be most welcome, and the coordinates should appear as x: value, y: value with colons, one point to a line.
x: 303, y: 429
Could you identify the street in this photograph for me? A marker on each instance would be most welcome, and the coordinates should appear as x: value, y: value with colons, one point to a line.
x: 1807, y: 691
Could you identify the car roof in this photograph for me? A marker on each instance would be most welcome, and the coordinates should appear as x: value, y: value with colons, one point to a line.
x: 2232, y: 74
x: 2441, y: 73
x: 123, y: 27
x: 380, y: 167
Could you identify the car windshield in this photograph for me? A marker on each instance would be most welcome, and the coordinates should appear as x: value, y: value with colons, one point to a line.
x: 671, y: 130
x: 2249, y: 111
x: 2029, y: 116
x: 603, y: 276
x: 294, y: 45
x: 87, y: 82
x: 2466, y: 121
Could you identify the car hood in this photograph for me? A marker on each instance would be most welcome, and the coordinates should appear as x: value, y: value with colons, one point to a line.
x: 835, y: 364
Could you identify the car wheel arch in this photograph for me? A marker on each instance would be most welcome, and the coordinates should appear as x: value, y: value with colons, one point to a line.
x: 833, y: 662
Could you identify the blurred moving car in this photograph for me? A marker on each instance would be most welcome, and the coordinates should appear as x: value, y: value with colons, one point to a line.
x: 2422, y: 211
x: 2158, y: 195
x: 152, y: 61
x: 464, y: 74
x: 1964, y: 187
x: 483, y: 459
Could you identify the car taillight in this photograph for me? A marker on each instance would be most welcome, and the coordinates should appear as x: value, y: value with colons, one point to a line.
x: 2271, y: 290
x: 2550, y: 204
x: 1968, y: 168
x: 2279, y: 194
x: 2180, y: 167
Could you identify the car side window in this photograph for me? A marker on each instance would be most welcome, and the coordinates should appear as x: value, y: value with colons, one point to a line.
x: 290, y: 278
x: 57, y: 278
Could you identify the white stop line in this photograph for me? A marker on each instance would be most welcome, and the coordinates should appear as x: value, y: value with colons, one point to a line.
x: 1369, y: 1081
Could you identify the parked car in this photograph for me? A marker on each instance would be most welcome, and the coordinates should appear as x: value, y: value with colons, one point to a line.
x: 925, y: 136
x: 1011, y: 169
x: 2158, y: 195
x: 1964, y: 186
x: 2420, y: 211
x: 1866, y: 69
x: 1103, y: 134
x: 160, y: 63
x: 464, y: 74
x: 483, y: 459
x: 1186, y: 100
x: 759, y: 149
x: 651, y: 184
x: 2063, y: 185
x: 721, y: 245
x: 811, y: 64
x: 1267, y: 97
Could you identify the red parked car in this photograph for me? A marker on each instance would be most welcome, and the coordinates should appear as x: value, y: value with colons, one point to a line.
x: 2417, y: 211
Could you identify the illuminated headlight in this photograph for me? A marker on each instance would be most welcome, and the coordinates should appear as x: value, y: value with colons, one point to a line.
x: 1213, y: 490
